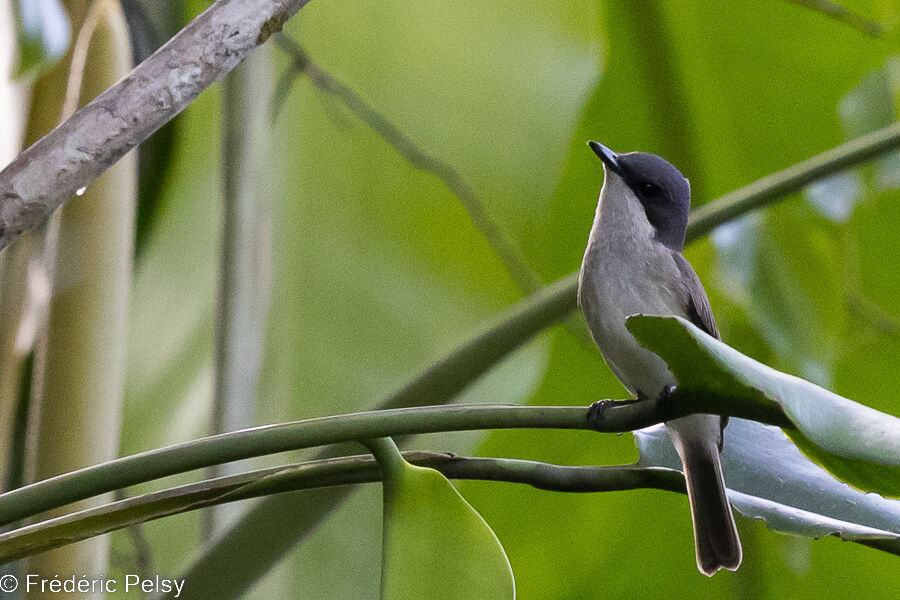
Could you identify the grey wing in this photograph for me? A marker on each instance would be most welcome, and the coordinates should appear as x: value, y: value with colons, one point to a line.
x: 695, y: 300
x: 698, y: 309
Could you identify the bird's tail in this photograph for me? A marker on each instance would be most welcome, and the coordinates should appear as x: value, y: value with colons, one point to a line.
x: 715, y: 534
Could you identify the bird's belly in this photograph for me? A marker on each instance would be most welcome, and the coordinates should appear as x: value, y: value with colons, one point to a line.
x: 607, y: 300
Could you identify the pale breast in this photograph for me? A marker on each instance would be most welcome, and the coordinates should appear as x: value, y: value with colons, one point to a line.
x: 621, y: 277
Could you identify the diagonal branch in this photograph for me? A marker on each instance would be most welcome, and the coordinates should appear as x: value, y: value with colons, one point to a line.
x: 770, y: 188
x: 74, y: 154
x: 525, y: 277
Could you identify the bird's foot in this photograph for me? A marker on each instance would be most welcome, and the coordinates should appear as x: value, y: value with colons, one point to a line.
x: 598, y: 409
x: 665, y: 399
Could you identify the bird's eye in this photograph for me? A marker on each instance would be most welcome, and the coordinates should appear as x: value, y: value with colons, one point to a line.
x: 650, y: 190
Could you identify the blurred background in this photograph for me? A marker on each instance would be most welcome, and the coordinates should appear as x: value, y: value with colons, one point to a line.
x: 364, y: 269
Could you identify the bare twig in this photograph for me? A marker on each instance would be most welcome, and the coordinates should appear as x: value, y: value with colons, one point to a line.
x: 524, y: 276
x: 844, y: 15
x: 71, y: 156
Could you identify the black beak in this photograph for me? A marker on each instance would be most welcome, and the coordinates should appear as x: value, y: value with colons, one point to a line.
x: 609, y: 158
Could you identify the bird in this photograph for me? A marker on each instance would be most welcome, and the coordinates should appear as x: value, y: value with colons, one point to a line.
x: 633, y: 264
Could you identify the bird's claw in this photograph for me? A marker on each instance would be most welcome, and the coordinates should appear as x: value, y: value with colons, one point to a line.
x: 664, y: 401
x: 596, y: 411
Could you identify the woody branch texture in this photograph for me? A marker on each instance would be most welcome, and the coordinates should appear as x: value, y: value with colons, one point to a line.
x: 75, y: 153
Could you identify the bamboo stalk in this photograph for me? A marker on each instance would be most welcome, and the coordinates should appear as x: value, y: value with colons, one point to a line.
x: 82, y: 371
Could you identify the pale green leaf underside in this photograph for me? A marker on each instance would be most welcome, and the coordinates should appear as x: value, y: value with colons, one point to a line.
x: 857, y: 443
x: 768, y: 478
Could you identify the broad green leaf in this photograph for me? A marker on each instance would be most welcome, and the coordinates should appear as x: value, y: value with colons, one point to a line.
x: 838, y: 433
x: 42, y: 30
x: 768, y: 478
x: 436, y: 546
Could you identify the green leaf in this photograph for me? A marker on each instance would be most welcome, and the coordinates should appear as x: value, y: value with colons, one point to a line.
x: 839, y: 434
x: 436, y: 546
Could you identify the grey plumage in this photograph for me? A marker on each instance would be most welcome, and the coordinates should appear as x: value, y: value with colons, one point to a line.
x: 633, y: 265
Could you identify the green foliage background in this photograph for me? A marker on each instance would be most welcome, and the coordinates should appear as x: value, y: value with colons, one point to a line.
x: 378, y: 271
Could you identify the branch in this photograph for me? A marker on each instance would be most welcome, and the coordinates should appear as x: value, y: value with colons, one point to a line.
x: 772, y: 188
x: 272, y: 439
x: 343, y: 471
x: 74, y: 154
x: 282, y: 521
x: 524, y: 276
x: 763, y: 192
x: 347, y: 470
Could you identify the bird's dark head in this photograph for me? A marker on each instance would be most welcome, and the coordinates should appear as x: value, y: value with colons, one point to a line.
x: 661, y: 189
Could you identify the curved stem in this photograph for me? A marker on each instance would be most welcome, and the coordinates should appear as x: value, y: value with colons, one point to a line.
x: 271, y: 439
x: 386, y: 453
x: 343, y: 471
x: 258, y: 441
x: 347, y: 470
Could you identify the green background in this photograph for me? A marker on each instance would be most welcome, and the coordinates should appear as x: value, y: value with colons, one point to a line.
x: 378, y: 271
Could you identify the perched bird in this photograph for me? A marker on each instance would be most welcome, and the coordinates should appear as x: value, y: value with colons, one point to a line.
x: 633, y: 265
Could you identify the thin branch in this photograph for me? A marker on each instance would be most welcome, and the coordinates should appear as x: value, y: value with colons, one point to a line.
x: 524, y: 276
x: 342, y: 471
x: 248, y: 443
x: 74, y: 154
x: 348, y: 470
x: 767, y: 190
x: 272, y: 439
x: 843, y: 15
